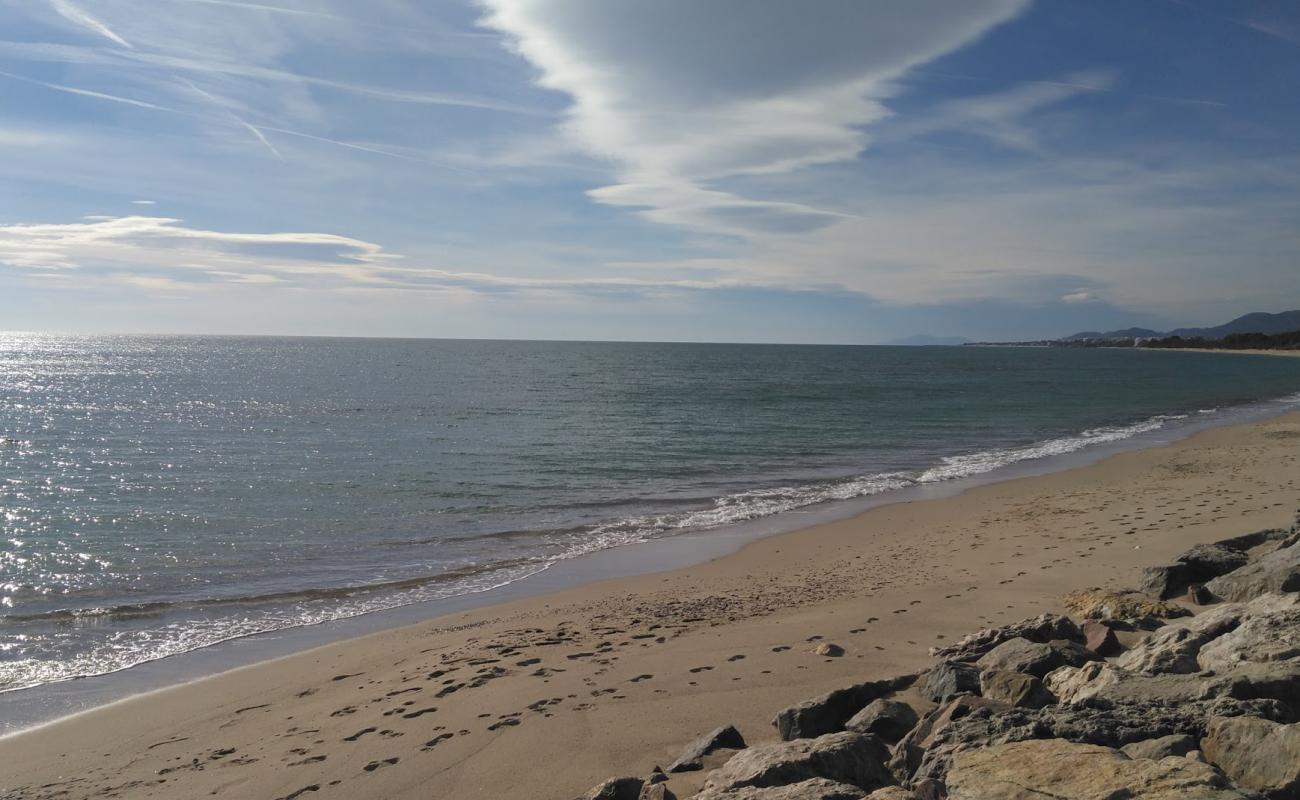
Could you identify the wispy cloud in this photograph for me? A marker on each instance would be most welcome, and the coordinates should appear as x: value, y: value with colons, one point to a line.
x: 75, y: 14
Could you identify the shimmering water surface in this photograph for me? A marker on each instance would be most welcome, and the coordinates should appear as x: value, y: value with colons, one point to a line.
x: 161, y: 494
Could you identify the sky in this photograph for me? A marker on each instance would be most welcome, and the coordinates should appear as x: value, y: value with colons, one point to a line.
x: 849, y: 171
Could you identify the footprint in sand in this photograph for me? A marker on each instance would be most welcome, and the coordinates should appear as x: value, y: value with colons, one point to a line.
x: 387, y: 762
x: 359, y: 734
x: 700, y: 669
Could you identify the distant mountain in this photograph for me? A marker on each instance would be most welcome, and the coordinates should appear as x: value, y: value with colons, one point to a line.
x: 1258, y: 322
x: 923, y: 340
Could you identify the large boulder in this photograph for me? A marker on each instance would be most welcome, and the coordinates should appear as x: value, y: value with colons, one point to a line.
x: 853, y: 758
x: 1035, y: 658
x: 1171, y: 649
x: 1204, y: 562
x: 950, y: 678
x: 1043, y: 628
x: 1256, y: 753
x: 910, y: 751
x: 1106, y: 604
x: 811, y: 789
x: 1259, y: 638
x: 1014, y: 688
x: 1060, y: 769
x: 1109, y: 682
x: 1278, y: 571
x: 1100, y: 638
x: 888, y: 719
x: 828, y: 713
x: 692, y: 757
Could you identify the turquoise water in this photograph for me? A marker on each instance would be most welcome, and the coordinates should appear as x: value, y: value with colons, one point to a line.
x: 163, y: 494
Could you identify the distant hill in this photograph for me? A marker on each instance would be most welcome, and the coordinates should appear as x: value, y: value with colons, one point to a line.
x: 1258, y: 322
x: 923, y: 340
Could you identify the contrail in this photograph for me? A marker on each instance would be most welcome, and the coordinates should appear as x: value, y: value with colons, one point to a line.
x: 224, y: 106
x: 71, y: 13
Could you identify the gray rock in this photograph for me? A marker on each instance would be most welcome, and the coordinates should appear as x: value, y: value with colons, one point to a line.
x: 1278, y: 571
x: 1256, y: 753
x: 888, y: 719
x: 1060, y: 769
x: 1208, y: 561
x: 1043, y: 628
x: 1035, y: 658
x: 1163, y: 581
x: 812, y: 789
x: 853, y: 758
x: 949, y: 678
x: 829, y: 712
x: 656, y: 791
x: 1179, y: 744
x: 892, y: 793
x: 1259, y: 638
x: 911, y: 749
x: 692, y: 757
x: 616, y: 789
x: 1090, y: 722
x: 1279, y: 680
x: 1014, y: 688
x: 1170, y: 650
x: 1198, y: 595
x: 1204, y: 562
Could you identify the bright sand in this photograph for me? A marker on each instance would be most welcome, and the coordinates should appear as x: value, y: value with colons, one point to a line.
x: 541, y: 698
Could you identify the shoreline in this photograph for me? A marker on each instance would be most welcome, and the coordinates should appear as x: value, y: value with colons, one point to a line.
x: 625, y: 669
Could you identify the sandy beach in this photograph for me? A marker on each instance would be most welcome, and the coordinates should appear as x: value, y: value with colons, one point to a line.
x: 547, y: 696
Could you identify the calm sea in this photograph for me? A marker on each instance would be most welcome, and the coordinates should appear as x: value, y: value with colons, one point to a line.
x: 162, y: 494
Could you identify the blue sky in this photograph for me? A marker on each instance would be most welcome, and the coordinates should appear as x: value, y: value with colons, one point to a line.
x: 738, y: 170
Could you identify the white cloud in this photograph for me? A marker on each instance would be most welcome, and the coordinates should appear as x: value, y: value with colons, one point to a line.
x: 683, y: 95
x: 1080, y: 296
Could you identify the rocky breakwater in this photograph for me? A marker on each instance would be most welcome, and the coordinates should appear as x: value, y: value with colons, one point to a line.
x: 1188, y: 688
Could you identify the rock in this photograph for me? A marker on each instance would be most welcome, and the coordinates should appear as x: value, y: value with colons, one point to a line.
x: 656, y: 791
x: 812, y: 789
x: 828, y: 649
x: 1259, y: 638
x: 1035, y: 658
x: 1105, y: 604
x: 616, y: 789
x: 888, y: 719
x: 1114, y: 684
x: 853, y: 758
x: 1163, y: 581
x: 1198, y: 595
x: 1061, y: 769
x: 1197, y: 755
x: 829, y: 712
x: 891, y: 793
x: 1089, y: 722
x: 1256, y: 753
x: 1278, y: 571
x: 1279, y: 680
x: 1208, y: 561
x: 1168, y: 650
x: 692, y: 757
x: 1014, y: 688
x: 656, y: 776
x: 1202, y: 563
x: 927, y: 789
x: 949, y: 678
x: 911, y: 749
x: 1178, y: 744
x: 1043, y: 628
x: 1100, y: 638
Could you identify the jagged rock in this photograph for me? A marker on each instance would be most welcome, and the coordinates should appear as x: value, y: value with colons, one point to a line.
x: 657, y: 775
x: 1168, y: 650
x: 1106, y: 604
x: 910, y: 751
x: 1163, y: 581
x: 812, y: 789
x: 1278, y: 571
x: 1279, y: 680
x: 1043, y: 628
x: 656, y: 791
x: 1198, y: 595
x: 1179, y: 744
x: 1256, y: 753
x: 1035, y: 658
x: 1014, y: 688
x: 1259, y: 637
x: 692, y: 757
x: 1100, y: 638
x: 891, y: 793
x: 847, y: 757
x: 829, y: 712
x: 1089, y: 722
x: 1061, y: 769
x: 949, y: 678
x: 1202, y: 563
x: 1208, y: 561
x: 616, y: 789
x: 888, y: 719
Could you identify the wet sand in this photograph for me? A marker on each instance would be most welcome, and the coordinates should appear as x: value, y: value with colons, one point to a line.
x: 547, y: 696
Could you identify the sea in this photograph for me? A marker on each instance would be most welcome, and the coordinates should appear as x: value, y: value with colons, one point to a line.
x: 164, y: 494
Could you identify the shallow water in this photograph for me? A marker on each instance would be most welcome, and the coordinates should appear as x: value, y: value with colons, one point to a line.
x: 162, y: 494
